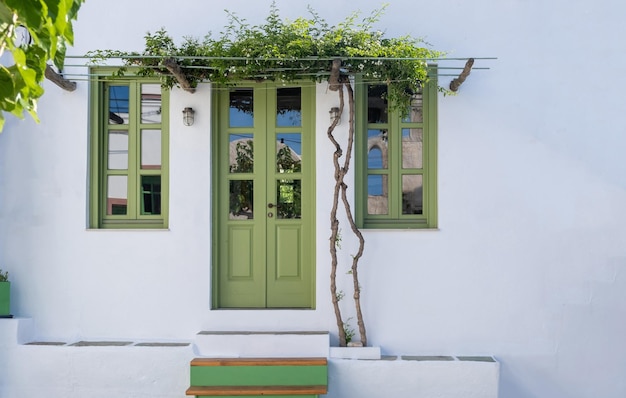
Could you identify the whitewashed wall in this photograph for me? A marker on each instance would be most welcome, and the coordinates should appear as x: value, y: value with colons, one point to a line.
x: 528, y: 263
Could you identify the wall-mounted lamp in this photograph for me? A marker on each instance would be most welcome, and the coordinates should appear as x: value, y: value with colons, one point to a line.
x: 334, y: 115
x: 188, y: 116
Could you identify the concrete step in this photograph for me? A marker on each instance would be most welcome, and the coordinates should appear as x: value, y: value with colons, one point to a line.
x: 262, y: 344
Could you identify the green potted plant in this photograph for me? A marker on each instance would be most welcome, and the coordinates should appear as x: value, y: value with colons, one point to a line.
x: 5, y: 295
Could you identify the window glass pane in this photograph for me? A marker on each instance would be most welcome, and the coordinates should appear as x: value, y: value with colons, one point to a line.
x: 289, y: 198
x: 412, y: 187
x: 416, y: 109
x: 288, y: 107
x: 412, y: 141
x: 241, y: 108
x: 241, y: 153
x: 118, y: 150
x: 289, y: 152
x: 377, y: 141
x: 150, y: 194
x: 376, y: 105
x: 377, y: 202
x: 118, y: 104
x: 151, y: 149
x: 241, y: 200
x: 117, y: 195
x: 150, y: 103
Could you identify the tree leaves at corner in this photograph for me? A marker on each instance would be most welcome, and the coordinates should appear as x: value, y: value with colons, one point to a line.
x: 34, y: 32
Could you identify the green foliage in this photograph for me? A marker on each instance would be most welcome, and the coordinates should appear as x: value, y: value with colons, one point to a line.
x: 4, y: 276
x: 283, y: 50
x: 348, y: 330
x: 34, y: 31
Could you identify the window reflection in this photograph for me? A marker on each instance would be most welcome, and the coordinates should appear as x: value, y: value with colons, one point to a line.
x: 377, y: 196
x: 241, y: 199
x: 289, y: 199
x: 151, y: 149
x: 241, y: 148
x: 416, y: 109
x: 150, y: 194
x: 376, y: 105
x: 288, y: 107
x: 377, y: 142
x: 118, y: 104
x: 118, y: 150
x: 241, y: 108
x: 288, y: 152
x: 117, y: 195
x: 412, y: 144
x: 412, y: 188
x: 150, y: 103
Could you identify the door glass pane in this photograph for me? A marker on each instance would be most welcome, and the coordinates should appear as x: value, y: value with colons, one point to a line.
x: 416, y: 109
x: 150, y: 194
x: 241, y: 199
x: 289, y: 107
x: 117, y: 195
x: 118, y: 150
x: 151, y: 149
x: 412, y: 188
x: 289, y: 152
x: 289, y: 198
x: 241, y: 113
x: 150, y: 103
x: 412, y: 157
x: 377, y: 149
x: 118, y: 104
x: 376, y: 105
x: 241, y: 148
x: 377, y: 202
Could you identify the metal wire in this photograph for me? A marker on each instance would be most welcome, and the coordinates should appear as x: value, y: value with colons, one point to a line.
x: 312, y: 59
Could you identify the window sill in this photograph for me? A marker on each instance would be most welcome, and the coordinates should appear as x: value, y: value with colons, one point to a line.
x: 127, y: 229
x: 399, y: 229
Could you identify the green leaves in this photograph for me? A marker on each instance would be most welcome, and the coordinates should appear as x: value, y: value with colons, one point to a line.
x: 283, y: 50
x: 49, y: 24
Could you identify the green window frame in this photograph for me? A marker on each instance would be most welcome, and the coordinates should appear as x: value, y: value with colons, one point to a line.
x: 129, y: 152
x: 396, y: 160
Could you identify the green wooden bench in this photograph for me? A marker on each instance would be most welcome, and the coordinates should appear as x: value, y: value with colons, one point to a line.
x: 259, y: 377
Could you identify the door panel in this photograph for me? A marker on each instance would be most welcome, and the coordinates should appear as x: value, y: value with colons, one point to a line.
x: 288, y: 252
x: 264, y: 240
x: 241, y: 264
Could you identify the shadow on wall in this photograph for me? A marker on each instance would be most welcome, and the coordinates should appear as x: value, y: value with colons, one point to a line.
x: 525, y: 378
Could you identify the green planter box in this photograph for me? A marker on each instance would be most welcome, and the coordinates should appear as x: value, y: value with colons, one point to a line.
x: 5, y: 299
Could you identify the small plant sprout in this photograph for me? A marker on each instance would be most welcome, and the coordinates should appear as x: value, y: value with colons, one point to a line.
x: 348, y: 330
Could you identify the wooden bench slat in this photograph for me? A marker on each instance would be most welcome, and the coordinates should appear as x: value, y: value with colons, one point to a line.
x: 259, y: 362
x: 256, y: 390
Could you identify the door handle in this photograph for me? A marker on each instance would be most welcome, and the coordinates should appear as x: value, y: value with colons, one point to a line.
x: 272, y: 205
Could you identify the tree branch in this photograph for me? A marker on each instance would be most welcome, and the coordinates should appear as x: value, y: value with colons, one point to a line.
x: 334, y: 83
x: 456, y: 83
x: 59, y: 80
x: 175, y: 69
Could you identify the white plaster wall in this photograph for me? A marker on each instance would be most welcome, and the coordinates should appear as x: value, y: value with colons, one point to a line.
x: 528, y: 261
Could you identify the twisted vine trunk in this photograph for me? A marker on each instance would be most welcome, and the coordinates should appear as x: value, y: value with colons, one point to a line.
x: 340, y: 189
x: 344, y: 197
x: 334, y: 225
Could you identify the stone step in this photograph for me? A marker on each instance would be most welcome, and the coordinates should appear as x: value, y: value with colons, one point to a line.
x: 262, y: 344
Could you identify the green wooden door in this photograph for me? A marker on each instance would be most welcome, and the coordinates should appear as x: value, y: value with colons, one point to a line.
x: 264, y: 204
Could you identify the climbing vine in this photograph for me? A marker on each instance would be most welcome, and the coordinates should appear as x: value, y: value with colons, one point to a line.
x: 285, y: 51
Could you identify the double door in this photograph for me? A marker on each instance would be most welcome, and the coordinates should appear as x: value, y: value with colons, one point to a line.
x: 264, y: 205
